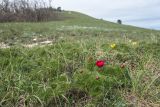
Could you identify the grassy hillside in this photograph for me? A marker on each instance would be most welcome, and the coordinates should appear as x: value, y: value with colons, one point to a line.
x: 53, y: 64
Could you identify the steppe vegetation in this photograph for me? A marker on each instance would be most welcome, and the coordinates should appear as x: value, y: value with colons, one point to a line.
x: 54, y: 64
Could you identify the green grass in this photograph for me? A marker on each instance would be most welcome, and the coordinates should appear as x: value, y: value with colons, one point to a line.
x: 64, y: 73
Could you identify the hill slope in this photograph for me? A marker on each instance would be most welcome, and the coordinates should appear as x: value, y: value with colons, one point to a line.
x: 79, y: 61
x: 71, y: 21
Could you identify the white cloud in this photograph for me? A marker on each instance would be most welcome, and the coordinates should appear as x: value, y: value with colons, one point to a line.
x: 127, y: 10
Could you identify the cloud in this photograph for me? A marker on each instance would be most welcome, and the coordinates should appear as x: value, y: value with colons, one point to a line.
x: 128, y: 10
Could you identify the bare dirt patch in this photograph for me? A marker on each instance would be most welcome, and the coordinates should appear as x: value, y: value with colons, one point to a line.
x: 31, y: 45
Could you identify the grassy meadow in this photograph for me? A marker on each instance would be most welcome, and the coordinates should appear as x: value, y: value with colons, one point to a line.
x: 53, y: 64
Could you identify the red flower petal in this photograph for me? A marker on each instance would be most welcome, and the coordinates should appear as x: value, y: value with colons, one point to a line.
x: 100, y: 63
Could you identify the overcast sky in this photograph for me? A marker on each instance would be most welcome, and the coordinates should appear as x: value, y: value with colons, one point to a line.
x: 143, y: 13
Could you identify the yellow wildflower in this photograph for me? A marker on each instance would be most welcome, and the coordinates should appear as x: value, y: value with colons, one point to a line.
x: 113, y: 45
x: 134, y: 43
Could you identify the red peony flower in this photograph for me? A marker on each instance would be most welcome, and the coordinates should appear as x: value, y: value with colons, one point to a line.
x: 100, y: 63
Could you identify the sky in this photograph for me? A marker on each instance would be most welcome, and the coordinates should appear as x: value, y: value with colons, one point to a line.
x: 141, y: 13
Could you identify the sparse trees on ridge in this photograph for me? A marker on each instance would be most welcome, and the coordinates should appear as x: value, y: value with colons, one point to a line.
x: 27, y: 10
x: 119, y: 21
